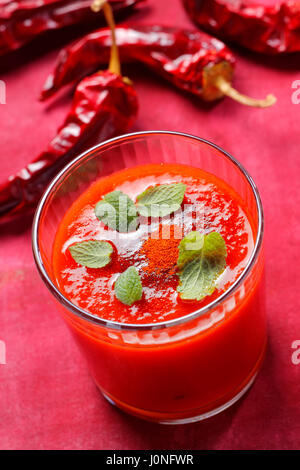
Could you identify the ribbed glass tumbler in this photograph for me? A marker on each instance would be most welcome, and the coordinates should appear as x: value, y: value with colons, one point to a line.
x: 181, y: 370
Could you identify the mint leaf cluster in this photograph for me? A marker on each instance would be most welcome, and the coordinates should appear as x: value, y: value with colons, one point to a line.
x: 118, y: 211
x: 201, y: 258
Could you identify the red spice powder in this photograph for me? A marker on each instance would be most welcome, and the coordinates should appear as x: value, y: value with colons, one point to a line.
x: 161, y: 250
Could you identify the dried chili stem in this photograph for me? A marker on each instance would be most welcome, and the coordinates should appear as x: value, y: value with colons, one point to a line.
x: 225, y: 87
x: 114, y: 62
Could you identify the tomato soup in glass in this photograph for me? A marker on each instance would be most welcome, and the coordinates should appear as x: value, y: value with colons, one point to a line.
x: 168, y: 354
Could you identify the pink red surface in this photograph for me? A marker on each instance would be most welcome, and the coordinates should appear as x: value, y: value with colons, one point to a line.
x: 47, y: 398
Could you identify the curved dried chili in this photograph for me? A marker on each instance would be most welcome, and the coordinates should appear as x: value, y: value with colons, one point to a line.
x: 21, y: 21
x: 262, y: 28
x: 191, y: 60
x: 105, y: 104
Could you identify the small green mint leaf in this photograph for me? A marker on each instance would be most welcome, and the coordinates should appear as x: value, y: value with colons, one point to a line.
x: 92, y: 253
x: 128, y: 286
x: 198, y: 273
x: 161, y: 200
x: 189, y: 247
x: 118, y: 212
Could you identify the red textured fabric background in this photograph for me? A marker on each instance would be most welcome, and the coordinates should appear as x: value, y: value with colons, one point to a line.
x: 47, y: 398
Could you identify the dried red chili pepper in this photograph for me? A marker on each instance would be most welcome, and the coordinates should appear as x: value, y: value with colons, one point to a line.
x: 192, y: 60
x: 105, y: 104
x: 21, y: 21
x: 262, y: 28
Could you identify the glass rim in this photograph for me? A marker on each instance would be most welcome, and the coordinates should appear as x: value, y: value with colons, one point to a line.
x: 78, y: 311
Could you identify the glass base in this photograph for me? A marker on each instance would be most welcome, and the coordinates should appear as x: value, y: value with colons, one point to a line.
x: 193, y: 419
x: 163, y: 418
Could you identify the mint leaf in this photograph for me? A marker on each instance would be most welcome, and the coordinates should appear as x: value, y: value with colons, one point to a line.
x: 189, y: 247
x: 199, y: 272
x: 117, y: 211
x: 128, y: 286
x: 92, y: 254
x: 161, y: 200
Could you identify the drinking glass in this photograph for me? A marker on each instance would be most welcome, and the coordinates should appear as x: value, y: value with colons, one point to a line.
x: 181, y: 370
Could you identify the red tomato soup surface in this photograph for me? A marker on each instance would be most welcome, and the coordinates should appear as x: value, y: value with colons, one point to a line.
x: 208, y: 203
